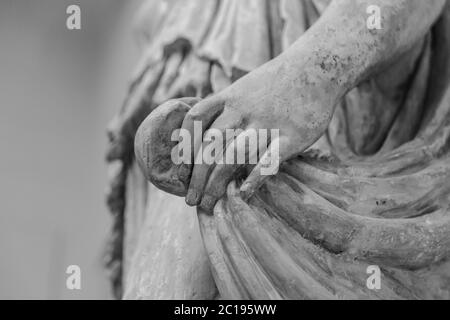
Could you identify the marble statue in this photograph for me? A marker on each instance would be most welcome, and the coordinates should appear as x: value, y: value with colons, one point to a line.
x: 364, y: 147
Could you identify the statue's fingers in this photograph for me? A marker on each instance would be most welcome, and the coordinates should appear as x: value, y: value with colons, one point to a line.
x: 239, y: 153
x: 196, y: 121
x: 215, y: 140
x: 198, y: 179
x: 278, y: 151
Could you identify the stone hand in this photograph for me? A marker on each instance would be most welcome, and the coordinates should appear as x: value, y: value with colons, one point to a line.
x: 275, y: 96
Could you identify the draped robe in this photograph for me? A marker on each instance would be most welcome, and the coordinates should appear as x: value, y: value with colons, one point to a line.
x: 373, y: 190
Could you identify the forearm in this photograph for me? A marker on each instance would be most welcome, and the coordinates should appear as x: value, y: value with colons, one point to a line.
x: 342, y: 50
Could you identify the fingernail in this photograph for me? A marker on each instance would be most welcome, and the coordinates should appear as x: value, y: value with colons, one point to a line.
x: 191, y: 197
x: 208, y: 203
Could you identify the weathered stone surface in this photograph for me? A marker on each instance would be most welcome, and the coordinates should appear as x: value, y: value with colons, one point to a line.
x: 372, y: 189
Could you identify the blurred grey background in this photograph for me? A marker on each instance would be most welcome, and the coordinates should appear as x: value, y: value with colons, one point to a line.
x: 58, y: 90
